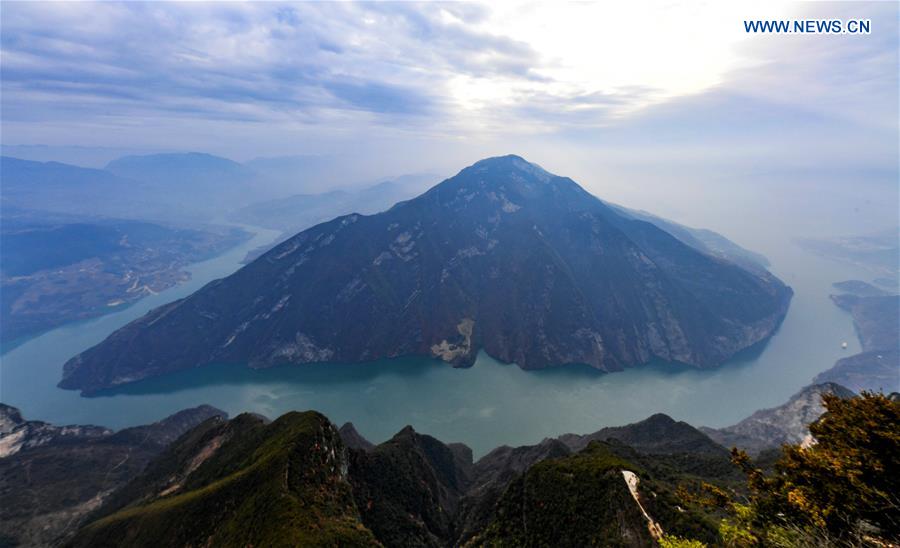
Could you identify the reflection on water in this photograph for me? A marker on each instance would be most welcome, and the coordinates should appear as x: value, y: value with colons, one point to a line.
x: 324, y: 376
x: 484, y: 406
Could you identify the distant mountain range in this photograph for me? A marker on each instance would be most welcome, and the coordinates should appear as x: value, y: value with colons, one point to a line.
x: 194, y: 186
x: 190, y: 167
x: 312, y: 173
x: 188, y: 187
x: 301, y: 211
x: 503, y: 257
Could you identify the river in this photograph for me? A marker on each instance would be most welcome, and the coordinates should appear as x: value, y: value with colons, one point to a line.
x: 485, y: 406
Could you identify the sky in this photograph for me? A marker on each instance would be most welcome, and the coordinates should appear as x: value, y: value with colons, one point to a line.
x: 645, y: 89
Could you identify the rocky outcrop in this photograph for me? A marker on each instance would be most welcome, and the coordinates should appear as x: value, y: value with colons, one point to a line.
x: 787, y: 423
x: 17, y: 434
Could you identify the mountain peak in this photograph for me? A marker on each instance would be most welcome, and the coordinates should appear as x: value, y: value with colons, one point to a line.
x: 506, y: 159
x: 503, y: 257
x: 353, y: 439
x: 504, y: 185
x: 511, y: 163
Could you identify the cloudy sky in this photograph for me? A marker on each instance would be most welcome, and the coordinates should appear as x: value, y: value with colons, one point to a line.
x: 413, y: 86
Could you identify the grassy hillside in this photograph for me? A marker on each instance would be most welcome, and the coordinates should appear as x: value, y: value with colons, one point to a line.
x: 278, y: 484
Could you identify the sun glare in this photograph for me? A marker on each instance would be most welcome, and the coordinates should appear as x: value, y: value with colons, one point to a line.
x: 624, y: 55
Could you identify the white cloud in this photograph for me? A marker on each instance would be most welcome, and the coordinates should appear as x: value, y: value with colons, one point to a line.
x: 314, y: 77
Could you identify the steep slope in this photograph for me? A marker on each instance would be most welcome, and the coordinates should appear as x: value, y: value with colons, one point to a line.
x: 702, y: 239
x: 251, y: 482
x: 408, y: 489
x: 664, y: 453
x: 787, y: 423
x: 657, y: 434
x: 490, y: 477
x: 505, y: 462
x: 52, y: 477
x: 295, y: 213
x: 597, y: 497
x: 666, y: 447
x: 503, y: 257
x: 243, y: 483
x: 353, y: 439
x: 301, y: 211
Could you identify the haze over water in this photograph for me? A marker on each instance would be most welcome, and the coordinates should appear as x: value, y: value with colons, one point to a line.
x: 491, y: 403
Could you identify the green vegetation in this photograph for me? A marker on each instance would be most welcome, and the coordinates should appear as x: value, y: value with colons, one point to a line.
x: 583, y: 500
x: 286, y: 487
x: 293, y: 483
x: 672, y: 541
x: 844, y: 490
x: 407, y: 490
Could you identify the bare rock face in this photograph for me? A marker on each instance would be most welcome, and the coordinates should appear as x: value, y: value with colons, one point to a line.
x: 17, y: 434
x: 788, y: 423
x: 504, y: 257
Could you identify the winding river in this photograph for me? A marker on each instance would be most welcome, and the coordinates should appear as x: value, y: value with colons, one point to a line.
x: 485, y: 406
